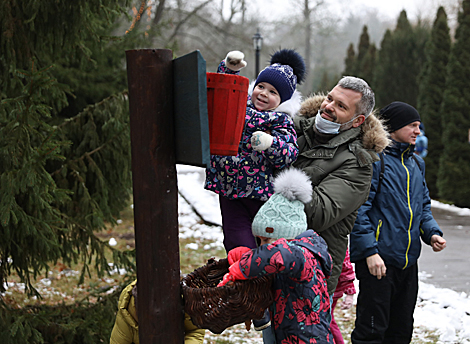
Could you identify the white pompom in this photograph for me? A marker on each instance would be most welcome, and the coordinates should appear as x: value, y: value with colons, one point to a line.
x: 294, y: 184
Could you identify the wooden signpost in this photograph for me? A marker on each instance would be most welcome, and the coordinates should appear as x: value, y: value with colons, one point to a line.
x: 168, y: 119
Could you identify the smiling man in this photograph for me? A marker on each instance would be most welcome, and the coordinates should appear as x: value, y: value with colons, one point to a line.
x: 339, y: 138
x: 386, y: 238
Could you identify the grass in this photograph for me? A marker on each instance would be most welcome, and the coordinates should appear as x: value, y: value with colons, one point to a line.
x: 60, y: 285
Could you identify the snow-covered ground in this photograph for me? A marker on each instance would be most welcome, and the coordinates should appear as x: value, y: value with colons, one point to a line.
x: 438, y: 309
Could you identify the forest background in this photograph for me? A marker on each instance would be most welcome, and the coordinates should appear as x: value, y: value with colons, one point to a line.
x: 65, y: 168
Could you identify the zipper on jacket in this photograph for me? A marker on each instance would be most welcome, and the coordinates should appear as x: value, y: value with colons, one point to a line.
x: 377, y: 232
x: 409, y: 205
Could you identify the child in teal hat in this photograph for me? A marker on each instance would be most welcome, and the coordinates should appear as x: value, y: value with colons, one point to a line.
x: 297, y: 257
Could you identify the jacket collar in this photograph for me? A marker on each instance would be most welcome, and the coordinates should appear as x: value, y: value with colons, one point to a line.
x: 399, y: 148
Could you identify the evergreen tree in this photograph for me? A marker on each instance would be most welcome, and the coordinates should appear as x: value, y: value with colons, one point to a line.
x: 61, y: 178
x: 384, y: 93
x: 368, y: 65
x: 350, y: 61
x: 399, y: 62
x: 64, y: 157
x: 362, y: 48
x: 432, y: 87
x: 453, y: 182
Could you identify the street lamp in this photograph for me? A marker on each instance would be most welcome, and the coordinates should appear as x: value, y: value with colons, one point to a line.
x: 257, y: 45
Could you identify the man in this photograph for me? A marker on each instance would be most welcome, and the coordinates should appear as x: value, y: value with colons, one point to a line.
x: 338, y: 138
x: 386, y: 238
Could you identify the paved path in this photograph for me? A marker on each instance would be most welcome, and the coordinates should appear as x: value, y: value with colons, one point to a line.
x: 450, y: 267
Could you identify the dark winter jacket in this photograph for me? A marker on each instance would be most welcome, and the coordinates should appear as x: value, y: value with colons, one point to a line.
x: 341, y: 171
x: 249, y: 174
x: 392, y: 221
x: 301, y: 309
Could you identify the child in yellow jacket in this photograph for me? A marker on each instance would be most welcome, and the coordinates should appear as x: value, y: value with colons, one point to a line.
x: 126, y: 327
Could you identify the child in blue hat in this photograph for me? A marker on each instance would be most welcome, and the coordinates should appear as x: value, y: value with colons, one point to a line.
x: 268, y: 144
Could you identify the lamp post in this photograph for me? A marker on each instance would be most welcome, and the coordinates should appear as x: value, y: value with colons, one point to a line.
x: 257, y: 45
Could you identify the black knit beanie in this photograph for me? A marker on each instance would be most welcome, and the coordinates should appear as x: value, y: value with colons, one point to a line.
x: 398, y: 114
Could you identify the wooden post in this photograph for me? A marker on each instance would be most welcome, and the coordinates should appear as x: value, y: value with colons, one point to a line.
x: 159, y: 309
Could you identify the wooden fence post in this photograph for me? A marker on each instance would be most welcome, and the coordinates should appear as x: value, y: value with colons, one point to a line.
x: 159, y: 309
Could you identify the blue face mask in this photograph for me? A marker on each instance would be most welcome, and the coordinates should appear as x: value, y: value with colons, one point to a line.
x: 325, y: 126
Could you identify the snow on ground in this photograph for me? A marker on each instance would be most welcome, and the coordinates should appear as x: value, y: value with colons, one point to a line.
x: 440, y: 309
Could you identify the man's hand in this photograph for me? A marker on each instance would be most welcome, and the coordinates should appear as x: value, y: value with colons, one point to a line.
x: 438, y: 243
x: 347, y: 302
x: 376, y: 266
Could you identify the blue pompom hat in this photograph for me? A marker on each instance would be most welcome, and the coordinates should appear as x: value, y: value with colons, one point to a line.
x: 286, y: 69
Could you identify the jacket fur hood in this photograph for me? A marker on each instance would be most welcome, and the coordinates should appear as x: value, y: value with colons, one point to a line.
x: 374, y: 133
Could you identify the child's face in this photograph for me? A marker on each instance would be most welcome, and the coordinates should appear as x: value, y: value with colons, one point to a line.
x: 265, y: 97
x: 265, y: 240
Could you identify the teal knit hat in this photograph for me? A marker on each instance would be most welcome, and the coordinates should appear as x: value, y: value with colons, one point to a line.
x: 283, y: 215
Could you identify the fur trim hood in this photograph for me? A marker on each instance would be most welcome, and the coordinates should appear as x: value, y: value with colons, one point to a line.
x: 374, y: 133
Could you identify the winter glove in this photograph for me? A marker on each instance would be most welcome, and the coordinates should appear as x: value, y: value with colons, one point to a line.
x: 236, y: 253
x: 234, y: 274
x: 261, y: 141
x: 234, y: 60
x: 347, y: 302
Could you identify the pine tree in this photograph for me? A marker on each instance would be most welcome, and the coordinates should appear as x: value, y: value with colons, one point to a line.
x: 432, y: 87
x: 59, y: 176
x: 368, y: 65
x: 453, y: 182
x: 399, y: 63
x: 362, y: 48
x: 383, y: 76
x: 64, y: 154
x: 350, y: 61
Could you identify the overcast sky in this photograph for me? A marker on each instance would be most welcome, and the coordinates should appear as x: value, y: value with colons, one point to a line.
x: 388, y: 8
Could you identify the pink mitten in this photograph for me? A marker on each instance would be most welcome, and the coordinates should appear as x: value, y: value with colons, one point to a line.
x: 236, y: 253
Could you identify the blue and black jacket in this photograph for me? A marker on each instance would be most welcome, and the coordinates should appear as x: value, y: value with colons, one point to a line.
x: 393, y: 221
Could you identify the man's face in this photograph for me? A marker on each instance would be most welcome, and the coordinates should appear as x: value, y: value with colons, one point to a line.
x: 407, y: 134
x: 339, y: 106
x: 265, y: 97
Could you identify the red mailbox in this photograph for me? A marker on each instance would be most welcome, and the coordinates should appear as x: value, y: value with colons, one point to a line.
x: 226, y: 105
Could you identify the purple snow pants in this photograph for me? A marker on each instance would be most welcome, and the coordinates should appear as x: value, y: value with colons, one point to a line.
x: 237, y: 217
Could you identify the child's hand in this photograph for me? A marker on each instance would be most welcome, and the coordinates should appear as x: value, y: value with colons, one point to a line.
x: 234, y: 60
x: 261, y: 141
x: 347, y: 302
x: 234, y: 274
x: 227, y: 278
x: 236, y: 253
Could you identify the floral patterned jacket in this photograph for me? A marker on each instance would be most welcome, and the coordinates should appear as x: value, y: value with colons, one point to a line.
x: 250, y: 173
x: 301, y: 309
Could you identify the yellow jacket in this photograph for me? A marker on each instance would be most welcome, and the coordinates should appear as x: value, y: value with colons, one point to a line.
x: 126, y: 327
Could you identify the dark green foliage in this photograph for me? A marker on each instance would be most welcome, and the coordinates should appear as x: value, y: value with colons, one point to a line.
x: 65, y: 167
x: 363, y: 46
x: 350, y: 61
x: 453, y: 182
x: 59, y: 183
x: 367, y: 69
x: 432, y: 87
x: 84, y: 322
x: 399, y: 61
